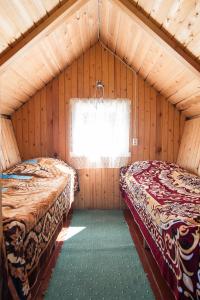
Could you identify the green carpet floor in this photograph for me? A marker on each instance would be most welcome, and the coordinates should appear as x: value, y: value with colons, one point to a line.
x: 99, y: 261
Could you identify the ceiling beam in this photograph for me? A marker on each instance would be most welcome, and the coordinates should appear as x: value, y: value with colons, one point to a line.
x: 172, y: 46
x: 65, y: 11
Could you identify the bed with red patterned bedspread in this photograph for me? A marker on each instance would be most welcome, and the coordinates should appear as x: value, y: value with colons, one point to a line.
x: 165, y: 202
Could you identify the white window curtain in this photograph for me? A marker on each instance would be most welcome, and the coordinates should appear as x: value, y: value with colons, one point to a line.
x: 99, y: 133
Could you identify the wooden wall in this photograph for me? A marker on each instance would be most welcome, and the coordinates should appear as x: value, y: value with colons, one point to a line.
x: 9, y: 152
x: 41, y: 125
x: 189, y: 153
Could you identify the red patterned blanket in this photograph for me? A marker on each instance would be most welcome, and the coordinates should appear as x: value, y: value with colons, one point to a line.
x: 165, y: 201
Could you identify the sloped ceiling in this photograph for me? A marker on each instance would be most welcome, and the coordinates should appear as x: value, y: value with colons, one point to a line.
x: 180, y: 18
x: 45, y: 51
x: 18, y: 17
x: 40, y: 38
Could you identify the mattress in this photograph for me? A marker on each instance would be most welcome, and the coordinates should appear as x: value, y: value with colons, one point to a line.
x: 35, y: 195
x: 165, y: 201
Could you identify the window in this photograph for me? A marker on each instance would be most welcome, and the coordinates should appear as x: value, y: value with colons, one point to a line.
x: 100, y: 132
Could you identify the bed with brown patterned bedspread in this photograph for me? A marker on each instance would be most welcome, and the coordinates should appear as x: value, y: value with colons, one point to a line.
x: 35, y: 196
x: 165, y: 202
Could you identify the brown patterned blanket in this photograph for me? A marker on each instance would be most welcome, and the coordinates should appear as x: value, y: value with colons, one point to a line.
x: 35, y: 195
x: 165, y: 201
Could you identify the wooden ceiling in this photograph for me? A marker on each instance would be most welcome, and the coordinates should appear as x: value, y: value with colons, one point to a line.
x: 139, y: 42
x: 46, y: 51
x: 159, y: 39
x: 18, y: 17
x: 179, y: 18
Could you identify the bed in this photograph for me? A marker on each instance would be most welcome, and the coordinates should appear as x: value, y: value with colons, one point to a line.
x: 36, y: 194
x: 164, y: 200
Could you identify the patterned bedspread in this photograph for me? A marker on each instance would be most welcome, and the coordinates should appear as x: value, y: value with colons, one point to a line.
x: 167, y: 201
x: 35, y: 195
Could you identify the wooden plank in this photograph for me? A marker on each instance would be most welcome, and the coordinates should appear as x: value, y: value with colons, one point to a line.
x: 189, y: 90
x: 6, y: 138
x: 130, y: 95
x: 123, y: 89
x: 7, y: 141
x: 68, y: 94
x: 25, y: 131
x: 158, y: 127
x: 182, y: 125
x: 172, y: 46
x: 13, y: 149
x: 14, y: 155
x: 43, y: 128
x: 49, y: 110
x: 134, y: 43
x: 113, y: 25
x: 170, y: 142
x: 43, y: 29
x: 147, y: 122
x: 55, y: 107
x: 9, y: 152
x: 176, y: 133
x: 74, y: 79
x: 150, y: 60
x: 117, y: 78
x: 153, y: 111
x: 141, y: 51
x: 2, y: 157
x: 141, y: 128
x: 61, y: 117
x: 164, y: 108
x: 19, y: 132
x: 122, y: 38
x: 189, y: 153
x: 14, y: 121
x: 37, y: 107
x: 187, y: 103
x: 135, y: 116
x: 104, y: 9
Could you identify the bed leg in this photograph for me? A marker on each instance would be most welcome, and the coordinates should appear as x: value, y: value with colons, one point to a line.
x: 145, y: 245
